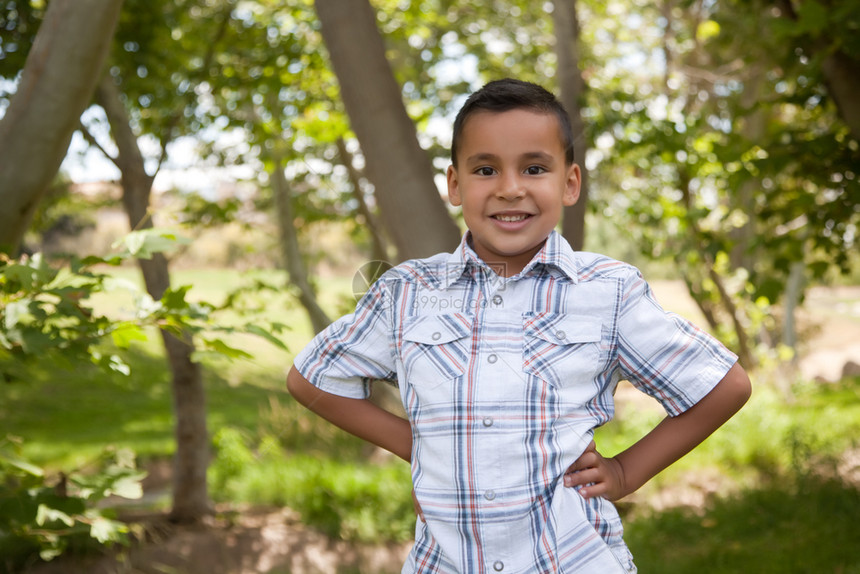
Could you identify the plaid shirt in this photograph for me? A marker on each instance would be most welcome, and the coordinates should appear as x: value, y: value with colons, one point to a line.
x: 504, y: 381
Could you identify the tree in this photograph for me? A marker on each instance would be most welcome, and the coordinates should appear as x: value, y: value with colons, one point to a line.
x: 57, y: 83
x: 163, y: 54
x: 732, y: 163
x: 826, y: 31
x: 401, y: 171
x: 190, y: 492
x: 569, y: 78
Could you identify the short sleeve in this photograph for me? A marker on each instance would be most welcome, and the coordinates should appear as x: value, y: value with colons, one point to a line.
x: 344, y: 357
x: 663, y: 354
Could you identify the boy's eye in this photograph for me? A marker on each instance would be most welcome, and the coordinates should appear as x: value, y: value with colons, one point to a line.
x: 535, y: 170
x: 485, y: 170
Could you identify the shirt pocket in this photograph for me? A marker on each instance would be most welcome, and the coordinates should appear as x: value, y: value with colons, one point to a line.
x: 435, y: 348
x: 562, y: 349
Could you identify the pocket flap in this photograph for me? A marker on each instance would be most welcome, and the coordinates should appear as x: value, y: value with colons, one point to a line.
x: 562, y: 328
x: 438, y: 329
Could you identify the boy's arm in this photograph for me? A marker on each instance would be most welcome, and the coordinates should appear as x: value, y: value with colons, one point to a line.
x: 616, y: 477
x: 359, y: 417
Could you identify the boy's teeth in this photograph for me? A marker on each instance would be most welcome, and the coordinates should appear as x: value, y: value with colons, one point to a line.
x: 509, y: 218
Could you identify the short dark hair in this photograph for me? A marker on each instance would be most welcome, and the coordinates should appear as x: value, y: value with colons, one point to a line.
x: 510, y: 94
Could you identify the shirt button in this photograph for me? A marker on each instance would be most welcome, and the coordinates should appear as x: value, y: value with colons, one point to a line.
x: 436, y: 336
x: 490, y: 495
x: 560, y: 335
x: 497, y: 300
x: 492, y: 359
x: 498, y: 565
x: 488, y: 421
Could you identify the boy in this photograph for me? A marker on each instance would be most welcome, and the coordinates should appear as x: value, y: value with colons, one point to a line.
x: 507, y: 353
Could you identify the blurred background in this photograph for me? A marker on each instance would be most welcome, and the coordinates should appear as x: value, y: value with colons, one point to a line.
x: 190, y: 189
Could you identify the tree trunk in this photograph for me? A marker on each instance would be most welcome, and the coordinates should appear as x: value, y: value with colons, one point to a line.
x: 841, y: 73
x: 842, y: 76
x: 292, y: 255
x: 410, y: 205
x: 745, y: 354
x: 190, y: 493
x: 754, y: 129
x: 380, y: 245
x: 572, y: 94
x: 56, y: 86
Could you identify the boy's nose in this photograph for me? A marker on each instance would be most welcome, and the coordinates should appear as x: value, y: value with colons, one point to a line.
x: 510, y: 188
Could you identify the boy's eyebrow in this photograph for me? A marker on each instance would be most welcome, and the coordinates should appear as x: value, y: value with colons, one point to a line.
x: 481, y: 157
x: 528, y: 156
x: 540, y: 156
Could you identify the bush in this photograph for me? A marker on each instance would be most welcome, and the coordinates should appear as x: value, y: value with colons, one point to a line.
x: 42, y: 518
x: 352, y: 501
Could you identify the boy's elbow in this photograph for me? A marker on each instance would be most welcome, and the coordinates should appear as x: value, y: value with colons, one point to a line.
x: 298, y: 386
x: 741, y: 387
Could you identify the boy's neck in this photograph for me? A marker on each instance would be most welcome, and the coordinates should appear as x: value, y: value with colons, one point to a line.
x: 507, y: 266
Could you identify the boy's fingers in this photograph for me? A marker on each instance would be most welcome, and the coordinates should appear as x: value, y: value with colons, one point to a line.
x: 586, y: 460
x: 582, y: 477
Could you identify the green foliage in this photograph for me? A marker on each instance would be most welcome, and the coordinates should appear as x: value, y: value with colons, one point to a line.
x: 802, y: 522
x: 350, y: 501
x: 46, y: 309
x: 728, y: 157
x: 776, y: 434
x: 43, y: 310
x: 43, y: 516
x: 782, y: 506
x: 19, y: 22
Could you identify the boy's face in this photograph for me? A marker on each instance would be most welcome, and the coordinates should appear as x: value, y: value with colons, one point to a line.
x: 512, y: 181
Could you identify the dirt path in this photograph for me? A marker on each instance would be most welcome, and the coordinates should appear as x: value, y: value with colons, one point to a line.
x: 241, y: 541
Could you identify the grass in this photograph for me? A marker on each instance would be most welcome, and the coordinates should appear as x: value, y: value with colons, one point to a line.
x: 805, y: 527
x: 772, y: 508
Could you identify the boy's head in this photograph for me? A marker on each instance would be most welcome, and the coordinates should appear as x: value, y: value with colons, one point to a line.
x: 512, y: 171
x: 510, y: 94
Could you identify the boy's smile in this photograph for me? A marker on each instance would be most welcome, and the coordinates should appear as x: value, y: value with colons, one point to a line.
x: 512, y: 182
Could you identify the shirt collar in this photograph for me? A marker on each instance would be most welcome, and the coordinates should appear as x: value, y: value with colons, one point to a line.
x: 556, y: 253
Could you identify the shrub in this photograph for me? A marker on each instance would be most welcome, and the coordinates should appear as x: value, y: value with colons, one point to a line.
x: 45, y: 517
x: 352, y: 501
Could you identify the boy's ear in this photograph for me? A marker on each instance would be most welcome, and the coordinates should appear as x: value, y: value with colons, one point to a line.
x: 453, y: 187
x: 572, y: 185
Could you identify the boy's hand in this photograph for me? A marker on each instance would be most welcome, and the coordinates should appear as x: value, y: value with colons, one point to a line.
x: 598, y: 476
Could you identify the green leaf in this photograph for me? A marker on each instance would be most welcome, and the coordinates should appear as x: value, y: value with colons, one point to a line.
x: 174, y: 298
x: 128, y: 486
x: 45, y: 514
x: 260, y: 332
x: 126, y: 333
x: 145, y: 243
x: 16, y: 311
x: 707, y: 30
x: 31, y: 469
x: 48, y: 554
x: 226, y: 350
x: 116, y: 364
x: 812, y: 17
x: 105, y: 530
